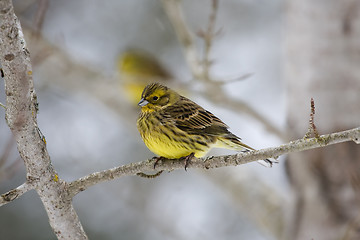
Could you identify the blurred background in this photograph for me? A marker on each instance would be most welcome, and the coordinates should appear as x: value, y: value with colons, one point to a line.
x: 92, y: 58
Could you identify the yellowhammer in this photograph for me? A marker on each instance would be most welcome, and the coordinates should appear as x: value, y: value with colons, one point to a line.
x: 137, y: 69
x: 172, y: 126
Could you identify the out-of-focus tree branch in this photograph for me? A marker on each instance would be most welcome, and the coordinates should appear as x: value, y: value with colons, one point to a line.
x: 213, y: 90
x: 185, y: 36
x: 57, y: 69
x: 208, y: 37
x: 40, y: 15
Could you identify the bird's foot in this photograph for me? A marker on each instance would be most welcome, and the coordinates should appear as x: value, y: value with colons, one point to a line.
x: 157, y: 159
x: 187, y: 159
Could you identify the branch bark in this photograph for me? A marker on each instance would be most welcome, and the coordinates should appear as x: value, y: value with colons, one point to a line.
x: 213, y: 162
x: 131, y: 169
x: 21, y: 111
x: 15, y: 193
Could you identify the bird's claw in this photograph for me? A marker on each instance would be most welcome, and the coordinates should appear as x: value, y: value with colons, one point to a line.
x: 188, y: 159
x: 157, y: 159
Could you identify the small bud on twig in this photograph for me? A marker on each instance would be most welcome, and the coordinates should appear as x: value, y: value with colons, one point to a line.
x: 312, y: 128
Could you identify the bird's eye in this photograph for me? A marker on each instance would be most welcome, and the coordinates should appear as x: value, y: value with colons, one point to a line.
x: 155, y: 98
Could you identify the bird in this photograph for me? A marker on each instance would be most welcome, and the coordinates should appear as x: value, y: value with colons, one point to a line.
x: 174, y: 127
x: 137, y: 68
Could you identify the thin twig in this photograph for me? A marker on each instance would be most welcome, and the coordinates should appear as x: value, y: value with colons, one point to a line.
x: 40, y: 16
x: 208, y: 37
x: 312, y: 130
x: 235, y: 79
x: 311, y: 121
x: 212, y: 162
x: 2, y: 105
x: 15, y: 193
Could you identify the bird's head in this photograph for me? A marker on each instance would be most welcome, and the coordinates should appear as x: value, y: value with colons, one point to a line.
x: 156, y: 96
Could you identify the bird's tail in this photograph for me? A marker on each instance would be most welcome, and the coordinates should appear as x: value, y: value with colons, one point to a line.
x: 234, y: 143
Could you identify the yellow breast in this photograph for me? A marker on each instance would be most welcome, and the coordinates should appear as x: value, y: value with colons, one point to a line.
x: 167, y: 140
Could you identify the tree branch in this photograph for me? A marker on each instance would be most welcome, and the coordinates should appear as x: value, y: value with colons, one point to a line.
x: 213, y: 162
x: 208, y: 37
x: 16, y: 193
x: 21, y: 112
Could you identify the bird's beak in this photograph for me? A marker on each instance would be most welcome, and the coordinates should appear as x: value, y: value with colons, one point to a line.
x: 143, y: 102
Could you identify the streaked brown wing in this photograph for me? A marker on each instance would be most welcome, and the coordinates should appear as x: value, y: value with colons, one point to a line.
x: 193, y: 119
